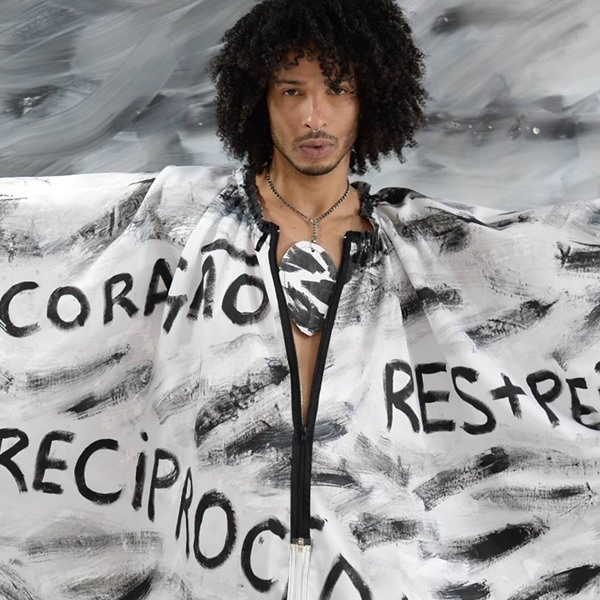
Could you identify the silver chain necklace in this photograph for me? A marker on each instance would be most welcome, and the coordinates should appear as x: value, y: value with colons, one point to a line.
x: 314, y: 222
x: 307, y: 272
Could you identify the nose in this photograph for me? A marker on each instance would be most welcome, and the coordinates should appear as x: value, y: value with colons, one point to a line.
x: 315, y: 118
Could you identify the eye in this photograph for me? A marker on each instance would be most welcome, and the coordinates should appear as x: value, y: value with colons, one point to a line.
x: 292, y: 92
x: 342, y: 90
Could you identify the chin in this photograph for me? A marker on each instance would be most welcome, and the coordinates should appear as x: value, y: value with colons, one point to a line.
x: 316, y: 170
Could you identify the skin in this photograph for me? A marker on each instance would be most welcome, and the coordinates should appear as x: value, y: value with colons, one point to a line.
x: 311, y: 171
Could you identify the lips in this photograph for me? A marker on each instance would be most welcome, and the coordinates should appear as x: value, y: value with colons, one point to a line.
x: 316, y: 149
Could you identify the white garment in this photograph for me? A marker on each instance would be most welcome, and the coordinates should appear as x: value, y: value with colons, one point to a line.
x: 452, y: 448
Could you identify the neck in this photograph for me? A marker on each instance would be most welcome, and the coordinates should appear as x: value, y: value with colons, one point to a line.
x: 312, y: 194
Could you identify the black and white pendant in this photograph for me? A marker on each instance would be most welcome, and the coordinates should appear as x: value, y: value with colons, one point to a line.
x: 308, y: 277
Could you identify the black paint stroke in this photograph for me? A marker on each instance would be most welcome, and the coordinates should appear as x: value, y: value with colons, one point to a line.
x: 120, y: 586
x: 470, y: 473
x: 466, y: 15
x: 490, y: 546
x: 582, y: 260
x: 276, y: 472
x: 95, y: 235
x: 451, y: 234
x: 261, y: 438
x: 136, y: 542
x: 222, y: 244
x: 535, y: 499
x: 511, y: 322
x: 371, y: 530
x: 265, y: 437
x: 19, y: 103
x: 328, y: 431
x: 13, y: 586
x: 560, y: 585
x: 592, y: 319
x: 237, y: 397
x: 336, y: 479
x: 452, y: 231
x: 464, y: 591
x: 441, y: 295
x: 500, y: 460
x: 411, y: 306
x: 141, y: 590
x: 7, y: 380
x: 377, y: 461
x: 303, y: 311
x: 184, y: 395
x: 42, y: 380
x: 135, y: 380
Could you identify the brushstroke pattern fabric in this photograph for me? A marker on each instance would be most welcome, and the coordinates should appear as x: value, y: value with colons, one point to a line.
x: 145, y: 416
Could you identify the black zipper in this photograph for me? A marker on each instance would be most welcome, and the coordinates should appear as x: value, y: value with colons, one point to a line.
x: 304, y: 433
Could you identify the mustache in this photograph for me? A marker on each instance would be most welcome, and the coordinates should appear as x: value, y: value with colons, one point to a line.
x: 319, y: 135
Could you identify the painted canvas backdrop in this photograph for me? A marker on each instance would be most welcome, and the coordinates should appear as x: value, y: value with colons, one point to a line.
x: 120, y: 85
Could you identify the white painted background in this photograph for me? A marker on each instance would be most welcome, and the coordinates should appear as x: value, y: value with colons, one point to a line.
x: 120, y: 85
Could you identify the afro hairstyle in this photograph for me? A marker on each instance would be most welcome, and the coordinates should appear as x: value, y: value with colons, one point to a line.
x: 368, y: 41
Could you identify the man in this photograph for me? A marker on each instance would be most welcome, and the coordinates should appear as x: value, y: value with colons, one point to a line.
x: 278, y: 384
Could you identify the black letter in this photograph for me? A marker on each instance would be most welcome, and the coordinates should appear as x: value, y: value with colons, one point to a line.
x: 162, y: 271
x: 510, y: 391
x: 430, y: 397
x: 577, y: 409
x: 55, y: 318
x: 82, y: 486
x: 210, y: 500
x: 187, y: 493
x: 472, y: 376
x: 163, y: 482
x: 205, y: 292
x: 43, y: 462
x: 398, y: 399
x: 552, y: 394
x: 6, y: 457
x: 343, y: 566
x: 140, y: 476
x: 231, y: 296
x: 174, y: 303
x: 121, y: 298
x: 5, y: 322
x: 274, y: 526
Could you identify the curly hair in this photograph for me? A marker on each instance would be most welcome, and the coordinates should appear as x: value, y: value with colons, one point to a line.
x: 368, y: 40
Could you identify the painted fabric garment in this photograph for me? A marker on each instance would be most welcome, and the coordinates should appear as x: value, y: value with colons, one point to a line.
x: 151, y: 441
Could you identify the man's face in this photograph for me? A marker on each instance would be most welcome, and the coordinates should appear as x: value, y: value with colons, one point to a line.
x: 300, y: 100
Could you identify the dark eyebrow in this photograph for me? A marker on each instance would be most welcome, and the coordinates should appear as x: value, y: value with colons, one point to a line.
x: 288, y: 82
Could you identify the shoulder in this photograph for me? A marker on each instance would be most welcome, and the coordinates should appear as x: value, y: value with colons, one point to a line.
x: 166, y: 205
x: 190, y: 186
x: 408, y: 204
x: 412, y: 211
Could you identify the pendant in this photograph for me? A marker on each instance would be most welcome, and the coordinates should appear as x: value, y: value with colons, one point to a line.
x: 308, y: 277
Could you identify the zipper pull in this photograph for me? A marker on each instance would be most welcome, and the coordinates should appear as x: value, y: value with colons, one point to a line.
x: 298, y: 570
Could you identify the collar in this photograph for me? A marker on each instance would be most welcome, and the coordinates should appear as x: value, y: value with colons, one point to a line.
x: 365, y: 244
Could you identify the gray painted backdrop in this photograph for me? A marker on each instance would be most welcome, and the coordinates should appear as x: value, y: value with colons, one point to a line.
x: 120, y: 85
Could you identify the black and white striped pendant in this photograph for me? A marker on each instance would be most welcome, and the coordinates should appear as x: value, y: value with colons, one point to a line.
x: 308, y: 277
